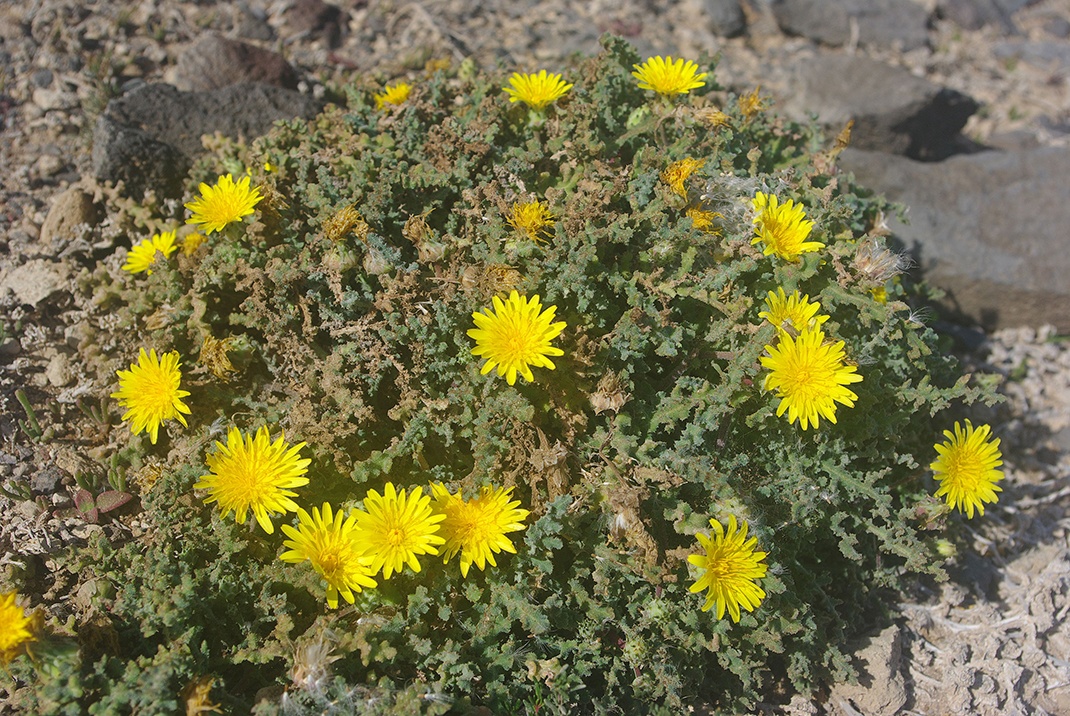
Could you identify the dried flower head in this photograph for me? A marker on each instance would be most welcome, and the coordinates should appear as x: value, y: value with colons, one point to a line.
x: 877, y: 263
x: 312, y: 661
x: 537, y: 91
x: 150, y: 392
x: 214, y: 356
x: 530, y: 218
x: 730, y: 569
x: 490, y: 280
x: 714, y: 117
x: 251, y: 473
x: 677, y: 174
x: 223, y: 203
x: 477, y: 528
x: 516, y: 334
x: 394, y: 94
x: 966, y: 468
x: 810, y: 376
x: 783, y: 228
x: 16, y: 628
x: 333, y: 548
x: 197, y: 696
x: 751, y: 104
x: 705, y: 220
x: 668, y: 77
x: 344, y: 222
x: 395, y: 528
x: 146, y: 252
x: 794, y: 310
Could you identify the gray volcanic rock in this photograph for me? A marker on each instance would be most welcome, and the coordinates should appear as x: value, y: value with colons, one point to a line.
x: 317, y: 19
x: 726, y: 17
x: 148, y: 138
x: 988, y: 228
x: 896, y: 23
x: 893, y: 110
x: 975, y: 14
x: 214, y: 62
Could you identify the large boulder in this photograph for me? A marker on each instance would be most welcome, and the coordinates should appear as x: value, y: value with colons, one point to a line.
x: 988, y: 228
x: 893, y: 111
x: 886, y: 23
x: 148, y: 138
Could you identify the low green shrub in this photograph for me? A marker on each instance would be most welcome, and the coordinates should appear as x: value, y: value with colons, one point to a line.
x: 340, y: 313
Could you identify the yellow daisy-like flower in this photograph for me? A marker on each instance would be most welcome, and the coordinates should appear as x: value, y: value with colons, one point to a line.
x: 537, y: 91
x: 677, y: 174
x: 810, y: 376
x: 223, y: 203
x: 395, y: 528
x: 966, y: 468
x: 143, y: 254
x: 731, y: 568
x: 149, y: 391
x: 783, y: 228
x: 332, y: 547
x: 395, y: 94
x: 16, y: 628
x: 530, y: 218
x: 251, y: 473
x: 516, y: 334
x: 477, y: 528
x: 668, y: 77
x: 794, y: 309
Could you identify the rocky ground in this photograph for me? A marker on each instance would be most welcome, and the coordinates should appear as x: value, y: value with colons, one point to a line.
x: 995, y: 639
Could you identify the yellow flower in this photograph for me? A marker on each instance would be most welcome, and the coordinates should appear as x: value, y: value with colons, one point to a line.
x: 16, y: 628
x: 809, y: 375
x: 251, y: 473
x: 395, y: 528
x: 144, y: 253
x: 150, y: 393
x: 731, y: 568
x: 477, y: 528
x: 332, y: 547
x: 677, y: 174
x: 704, y: 220
x: 191, y: 243
x: 783, y: 228
x: 536, y: 90
x: 531, y: 217
x: 514, y: 335
x: 223, y: 203
x: 393, y: 94
x: 668, y: 77
x: 966, y: 468
x: 794, y: 309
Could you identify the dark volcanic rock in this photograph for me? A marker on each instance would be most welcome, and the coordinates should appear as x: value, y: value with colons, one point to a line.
x: 889, y: 23
x: 989, y: 228
x: 726, y: 17
x: 317, y: 19
x: 148, y: 138
x: 214, y: 62
x: 893, y: 110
